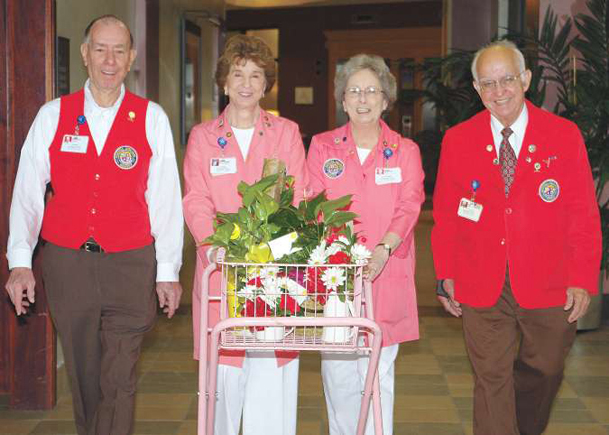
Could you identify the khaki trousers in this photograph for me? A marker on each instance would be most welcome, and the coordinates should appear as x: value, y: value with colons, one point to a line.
x: 101, y: 305
x: 518, y: 357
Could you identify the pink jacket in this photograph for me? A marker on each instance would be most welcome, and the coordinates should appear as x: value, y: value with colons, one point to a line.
x: 206, y: 194
x: 391, y: 207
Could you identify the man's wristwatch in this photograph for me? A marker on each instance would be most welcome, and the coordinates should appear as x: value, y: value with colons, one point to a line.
x: 440, y: 289
x: 386, y: 246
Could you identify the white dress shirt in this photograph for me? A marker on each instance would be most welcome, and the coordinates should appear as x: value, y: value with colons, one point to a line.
x: 163, y: 194
x: 363, y: 154
x: 519, y: 127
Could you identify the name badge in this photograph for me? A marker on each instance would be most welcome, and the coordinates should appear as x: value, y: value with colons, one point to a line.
x: 223, y: 165
x: 74, y: 144
x: 387, y: 176
x: 469, y: 210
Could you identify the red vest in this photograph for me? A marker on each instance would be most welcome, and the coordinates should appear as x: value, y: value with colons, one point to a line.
x: 100, y: 196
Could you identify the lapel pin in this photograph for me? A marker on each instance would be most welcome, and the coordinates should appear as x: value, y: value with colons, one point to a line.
x: 489, y: 148
x: 549, y: 160
x: 131, y: 116
x: 537, y: 166
x: 532, y: 148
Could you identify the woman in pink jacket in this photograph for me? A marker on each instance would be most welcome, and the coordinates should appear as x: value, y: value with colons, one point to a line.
x: 382, y: 171
x: 220, y: 154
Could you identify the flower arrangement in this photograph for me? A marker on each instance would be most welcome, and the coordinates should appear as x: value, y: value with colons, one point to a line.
x: 316, y: 235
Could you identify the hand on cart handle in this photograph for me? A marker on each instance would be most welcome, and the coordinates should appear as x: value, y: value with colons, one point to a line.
x: 376, y: 264
x: 215, y: 254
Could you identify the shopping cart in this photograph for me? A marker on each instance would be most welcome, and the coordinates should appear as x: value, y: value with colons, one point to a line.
x: 273, y: 306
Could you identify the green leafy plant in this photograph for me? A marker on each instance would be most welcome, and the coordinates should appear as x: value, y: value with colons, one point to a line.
x: 245, y: 234
x: 582, y: 89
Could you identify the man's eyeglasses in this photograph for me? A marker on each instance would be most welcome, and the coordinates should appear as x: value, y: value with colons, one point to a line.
x: 355, y: 92
x: 509, y: 81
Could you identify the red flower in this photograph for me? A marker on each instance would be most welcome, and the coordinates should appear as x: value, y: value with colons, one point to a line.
x: 339, y: 258
x: 257, y: 308
x: 288, y: 303
x: 315, y: 286
x: 331, y: 238
x: 255, y: 281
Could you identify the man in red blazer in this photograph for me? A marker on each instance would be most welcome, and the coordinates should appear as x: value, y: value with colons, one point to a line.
x: 516, y: 243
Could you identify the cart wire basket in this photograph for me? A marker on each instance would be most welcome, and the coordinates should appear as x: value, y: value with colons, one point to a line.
x: 273, y: 306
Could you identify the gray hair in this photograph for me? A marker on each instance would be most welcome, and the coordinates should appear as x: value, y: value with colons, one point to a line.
x: 107, y: 19
x: 499, y: 44
x: 373, y: 63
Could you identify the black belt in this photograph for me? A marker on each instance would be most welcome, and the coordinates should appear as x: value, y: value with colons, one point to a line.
x: 91, y: 246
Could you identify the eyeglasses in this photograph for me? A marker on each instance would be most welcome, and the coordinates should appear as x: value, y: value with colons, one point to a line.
x: 355, y: 92
x: 509, y: 81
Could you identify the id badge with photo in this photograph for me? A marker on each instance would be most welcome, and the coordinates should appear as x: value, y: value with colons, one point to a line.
x: 469, y: 210
x: 74, y: 144
x: 223, y: 165
x: 387, y: 176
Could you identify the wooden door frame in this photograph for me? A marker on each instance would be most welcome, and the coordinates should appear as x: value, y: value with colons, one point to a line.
x: 27, y: 344
x: 417, y: 43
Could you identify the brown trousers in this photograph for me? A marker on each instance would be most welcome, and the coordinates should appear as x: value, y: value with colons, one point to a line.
x: 518, y: 357
x: 101, y: 305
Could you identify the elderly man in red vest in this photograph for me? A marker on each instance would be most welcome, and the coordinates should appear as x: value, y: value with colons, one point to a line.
x: 112, y: 228
x: 516, y: 243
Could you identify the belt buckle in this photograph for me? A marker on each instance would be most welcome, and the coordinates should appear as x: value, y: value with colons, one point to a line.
x: 92, y: 247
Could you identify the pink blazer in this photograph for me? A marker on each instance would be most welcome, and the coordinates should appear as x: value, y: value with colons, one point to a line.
x: 206, y: 194
x: 334, y: 166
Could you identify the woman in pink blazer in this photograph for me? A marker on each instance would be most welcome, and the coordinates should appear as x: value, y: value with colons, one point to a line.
x: 382, y: 171
x: 220, y: 154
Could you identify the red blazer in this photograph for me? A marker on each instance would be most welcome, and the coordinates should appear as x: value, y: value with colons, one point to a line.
x: 548, y: 229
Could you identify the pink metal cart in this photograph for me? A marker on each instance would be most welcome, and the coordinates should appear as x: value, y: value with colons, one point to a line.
x: 255, y: 319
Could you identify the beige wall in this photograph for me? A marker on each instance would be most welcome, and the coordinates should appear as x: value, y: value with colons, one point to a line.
x: 72, y: 18
x: 169, y: 56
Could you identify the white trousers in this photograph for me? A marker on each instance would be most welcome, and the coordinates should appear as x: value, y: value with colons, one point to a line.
x: 344, y: 376
x: 266, y: 394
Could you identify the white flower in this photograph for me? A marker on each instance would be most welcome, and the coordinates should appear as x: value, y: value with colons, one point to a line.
x: 269, y: 272
x: 343, y: 239
x: 318, y: 255
x: 333, y: 277
x: 270, y: 285
x: 360, y: 254
x: 270, y: 290
x: 294, y: 289
x: 248, y: 292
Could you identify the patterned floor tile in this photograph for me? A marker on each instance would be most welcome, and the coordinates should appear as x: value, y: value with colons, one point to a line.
x: 54, y: 427
x: 589, y: 386
x: 428, y: 429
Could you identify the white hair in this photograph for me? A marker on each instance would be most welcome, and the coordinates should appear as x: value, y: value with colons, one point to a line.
x: 499, y: 44
x: 374, y: 64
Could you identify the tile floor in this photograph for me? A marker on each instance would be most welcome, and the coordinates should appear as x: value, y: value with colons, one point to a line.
x: 433, y: 379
